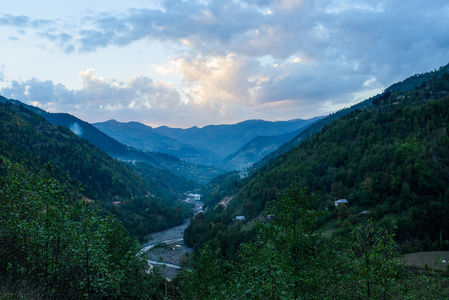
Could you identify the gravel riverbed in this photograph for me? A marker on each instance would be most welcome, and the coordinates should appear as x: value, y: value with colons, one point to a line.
x: 173, y: 237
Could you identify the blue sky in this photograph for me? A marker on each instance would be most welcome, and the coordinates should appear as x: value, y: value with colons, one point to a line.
x: 194, y: 63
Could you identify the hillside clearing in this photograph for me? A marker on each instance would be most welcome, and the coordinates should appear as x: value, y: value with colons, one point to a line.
x: 433, y: 259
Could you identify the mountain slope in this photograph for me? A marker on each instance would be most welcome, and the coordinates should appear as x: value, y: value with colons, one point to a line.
x: 144, y: 138
x: 210, y: 145
x: 29, y: 137
x: 408, y: 84
x: 393, y: 154
x: 197, y: 173
x: 227, y: 139
x: 390, y: 158
x: 42, y: 148
x: 255, y: 150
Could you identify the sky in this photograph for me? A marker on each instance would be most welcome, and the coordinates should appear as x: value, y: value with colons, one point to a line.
x: 195, y: 63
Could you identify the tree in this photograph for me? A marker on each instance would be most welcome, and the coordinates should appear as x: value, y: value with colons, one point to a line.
x: 342, y: 212
x: 208, y: 278
x: 64, y: 248
x: 370, y: 264
x: 289, y: 249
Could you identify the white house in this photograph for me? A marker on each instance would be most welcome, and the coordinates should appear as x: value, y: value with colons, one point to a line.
x: 341, y: 201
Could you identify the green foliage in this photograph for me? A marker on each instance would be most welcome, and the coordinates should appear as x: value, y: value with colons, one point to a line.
x: 205, y: 280
x: 220, y: 187
x: 388, y: 157
x: 66, y: 251
x: 292, y: 253
x: 289, y: 260
x: 183, y: 260
x: 29, y: 139
x: 162, y: 183
x: 370, y: 264
x: 227, y: 238
x: 342, y: 212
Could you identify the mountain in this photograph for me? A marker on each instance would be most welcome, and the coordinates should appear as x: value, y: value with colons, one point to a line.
x: 144, y: 138
x: 29, y: 139
x: 408, y: 84
x: 308, y: 132
x: 197, y: 173
x: 388, y: 156
x: 210, y: 145
x: 255, y: 150
x: 227, y: 139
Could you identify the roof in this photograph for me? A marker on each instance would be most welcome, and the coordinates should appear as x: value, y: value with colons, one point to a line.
x: 341, y: 201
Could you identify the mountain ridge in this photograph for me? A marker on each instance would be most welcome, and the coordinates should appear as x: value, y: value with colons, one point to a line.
x: 209, y: 145
x: 114, y: 148
x: 387, y: 157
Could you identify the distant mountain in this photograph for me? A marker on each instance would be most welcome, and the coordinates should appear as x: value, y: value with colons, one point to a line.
x: 40, y: 147
x: 145, y: 138
x: 227, y: 139
x: 197, y: 173
x: 256, y: 149
x: 217, y: 145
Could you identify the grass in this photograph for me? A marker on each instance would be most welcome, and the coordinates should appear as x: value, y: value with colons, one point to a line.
x: 329, y: 228
x: 430, y: 260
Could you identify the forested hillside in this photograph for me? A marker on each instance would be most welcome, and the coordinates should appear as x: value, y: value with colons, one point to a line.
x: 391, y: 157
x: 229, y: 147
x: 163, y: 161
x: 27, y: 138
x: 388, y: 160
x: 55, y: 245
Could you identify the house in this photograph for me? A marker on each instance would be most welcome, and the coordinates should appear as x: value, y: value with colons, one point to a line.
x: 341, y: 201
x: 240, y: 218
x: 271, y: 217
x: 363, y: 213
x: 117, y: 203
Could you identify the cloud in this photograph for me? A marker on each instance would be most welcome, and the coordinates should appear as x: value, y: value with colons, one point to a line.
x: 2, y: 73
x: 216, y: 77
x: 376, y: 34
x: 320, y: 29
x: 382, y: 37
x: 245, y: 58
x: 24, y: 22
x: 98, y: 96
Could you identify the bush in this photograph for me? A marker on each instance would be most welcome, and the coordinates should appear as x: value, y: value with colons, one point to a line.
x: 183, y: 261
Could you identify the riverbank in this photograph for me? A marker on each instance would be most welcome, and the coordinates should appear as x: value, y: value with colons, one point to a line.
x: 173, y: 238
x: 170, y: 252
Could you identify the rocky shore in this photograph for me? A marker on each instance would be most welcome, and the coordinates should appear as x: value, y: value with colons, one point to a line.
x: 165, y: 247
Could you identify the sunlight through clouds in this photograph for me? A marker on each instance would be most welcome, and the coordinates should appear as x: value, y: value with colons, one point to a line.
x: 217, y: 60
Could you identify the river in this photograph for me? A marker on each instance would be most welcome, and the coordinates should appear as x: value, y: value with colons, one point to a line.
x: 173, y: 237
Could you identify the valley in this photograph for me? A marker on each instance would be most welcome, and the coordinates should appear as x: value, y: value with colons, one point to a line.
x: 266, y: 215
x: 164, y: 248
x: 224, y: 150
x: 212, y: 145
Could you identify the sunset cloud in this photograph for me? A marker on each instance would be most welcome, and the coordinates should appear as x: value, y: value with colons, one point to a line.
x: 223, y: 60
